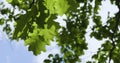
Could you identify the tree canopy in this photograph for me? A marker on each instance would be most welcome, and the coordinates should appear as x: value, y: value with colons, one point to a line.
x: 34, y: 22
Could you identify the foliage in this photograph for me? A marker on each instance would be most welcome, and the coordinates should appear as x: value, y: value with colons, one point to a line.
x: 35, y: 24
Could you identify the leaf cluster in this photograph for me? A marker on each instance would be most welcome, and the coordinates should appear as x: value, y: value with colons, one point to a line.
x: 35, y: 24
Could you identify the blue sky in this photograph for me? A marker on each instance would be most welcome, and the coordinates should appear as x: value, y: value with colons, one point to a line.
x: 13, y: 52
x: 16, y: 52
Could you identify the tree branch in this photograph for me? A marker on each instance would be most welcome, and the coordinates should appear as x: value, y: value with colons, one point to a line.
x: 117, y: 19
x: 32, y: 4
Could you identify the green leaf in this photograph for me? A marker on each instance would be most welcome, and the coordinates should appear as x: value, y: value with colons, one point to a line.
x: 36, y: 26
x: 9, y: 1
x: 89, y: 62
x: 107, y: 46
x: 50, y: 55
x: 47, y: 61
x: 40, y: 38
x: 59, y: 7
x: 1, y: 21
x: 48, y: 34
x: 36, y: 43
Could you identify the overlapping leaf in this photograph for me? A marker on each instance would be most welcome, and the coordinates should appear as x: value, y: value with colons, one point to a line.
x: 40, y: 38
